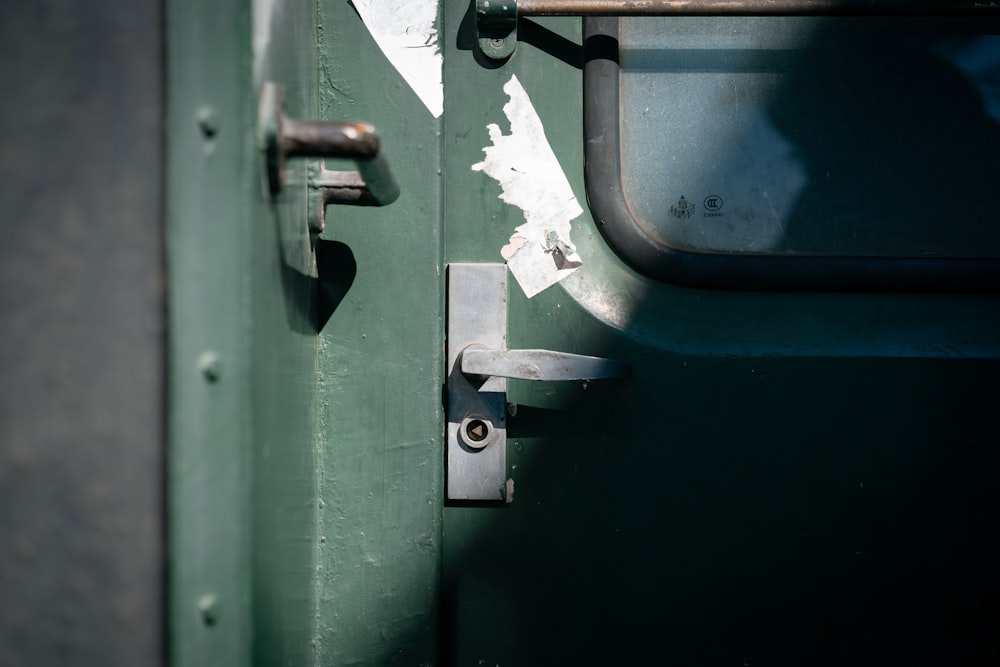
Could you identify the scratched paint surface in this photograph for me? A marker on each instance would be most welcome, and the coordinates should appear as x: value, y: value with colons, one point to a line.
x: 379, y: 411
x: 540, y: 252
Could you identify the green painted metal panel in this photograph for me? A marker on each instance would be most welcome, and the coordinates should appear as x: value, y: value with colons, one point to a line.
x: 305, y: 395
x: 286, y: 318
x: 380, y: 377
x: 244, y: 310
x: 209, y: 427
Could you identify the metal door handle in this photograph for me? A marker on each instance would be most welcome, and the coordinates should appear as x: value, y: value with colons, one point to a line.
x: 282, y: 138
x: 496, y: 20
x: 479, y: 365
x: 545, y: 365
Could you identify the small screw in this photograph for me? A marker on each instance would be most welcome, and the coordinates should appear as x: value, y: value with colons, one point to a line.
x: 496, y: 43
x: 208, y: 123
x: 210, y: 366
x: 208, y: 608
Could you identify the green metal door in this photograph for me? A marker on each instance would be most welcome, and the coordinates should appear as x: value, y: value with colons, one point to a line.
x: 786, y: 476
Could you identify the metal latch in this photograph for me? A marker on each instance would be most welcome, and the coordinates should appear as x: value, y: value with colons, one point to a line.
x: 479, y: 365
x: 281, y: 138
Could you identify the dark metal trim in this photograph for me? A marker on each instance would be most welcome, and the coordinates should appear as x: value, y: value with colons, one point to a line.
x: 496, y: 23
x: 654, y: 259
x: 753, y: 7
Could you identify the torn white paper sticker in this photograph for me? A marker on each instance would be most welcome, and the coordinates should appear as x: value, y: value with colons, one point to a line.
x: 540, y: 252
x: 405, y: 31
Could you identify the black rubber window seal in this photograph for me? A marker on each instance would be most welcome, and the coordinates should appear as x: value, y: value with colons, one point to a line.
x: 656, y: 260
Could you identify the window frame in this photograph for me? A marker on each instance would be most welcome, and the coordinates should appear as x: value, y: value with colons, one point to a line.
x: 659, y: 261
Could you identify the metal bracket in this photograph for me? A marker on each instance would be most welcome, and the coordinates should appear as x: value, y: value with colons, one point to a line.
x: 496, y: 27
x: 281, y: 138
x: 479, y: 364
x: 346, y: 188
x: 477, y: 408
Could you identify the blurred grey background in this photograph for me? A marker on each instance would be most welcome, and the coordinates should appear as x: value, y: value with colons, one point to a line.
x: 82, y: 333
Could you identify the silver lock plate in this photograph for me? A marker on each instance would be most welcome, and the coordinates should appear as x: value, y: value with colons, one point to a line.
x: 479, y: 365
x: 477, y: 407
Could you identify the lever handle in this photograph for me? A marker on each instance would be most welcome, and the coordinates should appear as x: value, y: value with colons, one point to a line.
x: 477, y: 406
x: 282, y: 138
x: 545, y: 365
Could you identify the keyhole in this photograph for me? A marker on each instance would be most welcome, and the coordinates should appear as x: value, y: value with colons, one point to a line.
x: 477, y: 430
x: 477, y: 433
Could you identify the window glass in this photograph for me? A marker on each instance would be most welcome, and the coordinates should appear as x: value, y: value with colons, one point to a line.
x: 813, y: 136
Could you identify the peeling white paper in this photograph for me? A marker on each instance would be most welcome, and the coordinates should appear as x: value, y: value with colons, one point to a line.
x: 540, y: 252
x: 405, y: 32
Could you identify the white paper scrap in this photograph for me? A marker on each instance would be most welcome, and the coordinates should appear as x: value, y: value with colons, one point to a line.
x: 405, y: 31
x: 540, y: 252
